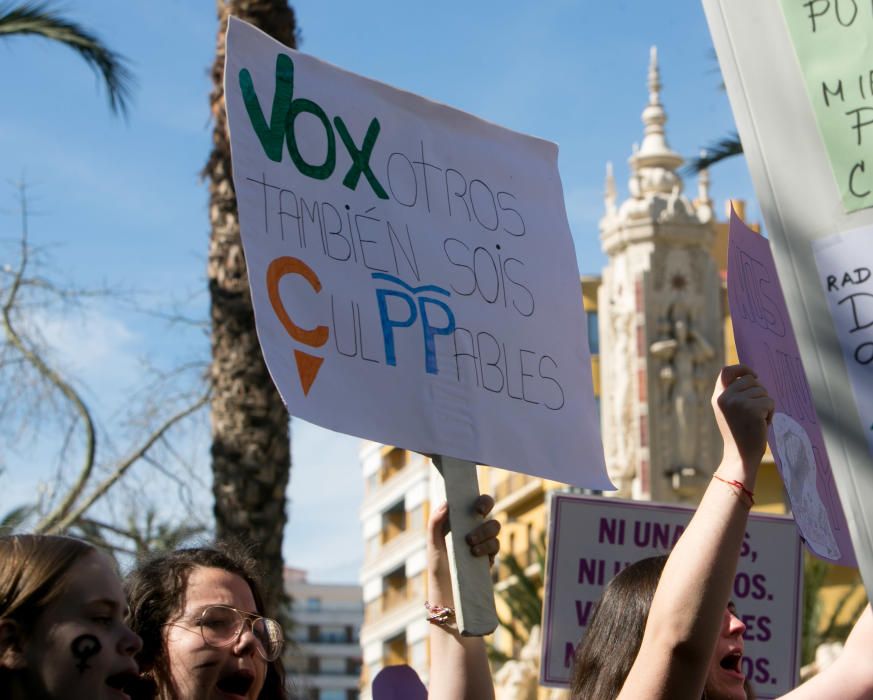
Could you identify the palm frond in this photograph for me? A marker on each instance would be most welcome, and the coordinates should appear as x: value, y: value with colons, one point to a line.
x: 724, y: 148
x: 41, y: 19
x: 15, y: 517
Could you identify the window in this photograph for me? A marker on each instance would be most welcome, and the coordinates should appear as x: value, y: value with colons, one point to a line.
x: 394, y: 521
x: 313, y: 604
x: 593, y: 333
x: 332, y: 695
x: 332, y: 634
x: 394, y: 588
x: 392, y: 463
x: 395, y: 651
x: 333, y: 667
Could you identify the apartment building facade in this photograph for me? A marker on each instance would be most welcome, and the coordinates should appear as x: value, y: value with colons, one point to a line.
x: 324, y: 652
x: 399, y: 489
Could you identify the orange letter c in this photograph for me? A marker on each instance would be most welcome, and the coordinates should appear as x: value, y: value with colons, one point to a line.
x: 314, y: 337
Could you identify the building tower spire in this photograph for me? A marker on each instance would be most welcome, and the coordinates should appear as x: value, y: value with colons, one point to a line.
x: 660, y: 321
x: 654, y: 77
x: 655, y: 161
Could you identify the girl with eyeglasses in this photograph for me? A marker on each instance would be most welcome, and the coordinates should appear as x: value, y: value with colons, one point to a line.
x: 200, y: 614
x: 62, y: 631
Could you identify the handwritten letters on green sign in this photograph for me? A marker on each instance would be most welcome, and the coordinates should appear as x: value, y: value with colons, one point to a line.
x: 833, y: 40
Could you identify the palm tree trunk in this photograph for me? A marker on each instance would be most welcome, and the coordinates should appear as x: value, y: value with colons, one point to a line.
x: 251, y: 443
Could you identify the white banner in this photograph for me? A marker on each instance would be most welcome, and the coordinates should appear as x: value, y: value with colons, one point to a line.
x: 593, y: 539
x: 411, y: 267
x: 794, y: 73
x: 844, y: 262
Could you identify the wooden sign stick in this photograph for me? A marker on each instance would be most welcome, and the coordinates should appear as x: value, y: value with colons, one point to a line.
x: 471, y: 576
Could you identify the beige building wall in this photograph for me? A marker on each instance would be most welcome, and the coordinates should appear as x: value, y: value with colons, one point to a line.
x: 394, y: 514
x: 324, y: 652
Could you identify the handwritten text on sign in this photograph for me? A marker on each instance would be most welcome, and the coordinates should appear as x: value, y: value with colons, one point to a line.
x: 845, y: 262
x: 833, y: 40
x: 766, y: 342
x: 592, y: 539
x: 411, y: 267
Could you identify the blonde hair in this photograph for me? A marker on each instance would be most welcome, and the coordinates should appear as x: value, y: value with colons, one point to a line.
x: 33, y: 570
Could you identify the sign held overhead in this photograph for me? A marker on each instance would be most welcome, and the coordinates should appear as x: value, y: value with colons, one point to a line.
x: 411, y: 266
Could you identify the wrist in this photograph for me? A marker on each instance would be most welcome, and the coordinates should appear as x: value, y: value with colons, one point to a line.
x: 736, y: 468
x: 739, y: 489
x: 439, y: 591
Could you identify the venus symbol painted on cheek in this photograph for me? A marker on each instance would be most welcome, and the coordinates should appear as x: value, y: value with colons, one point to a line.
x: 84, y: 647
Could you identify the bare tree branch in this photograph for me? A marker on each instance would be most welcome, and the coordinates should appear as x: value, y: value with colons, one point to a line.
x: 60, y: 524
x: 64, y: 387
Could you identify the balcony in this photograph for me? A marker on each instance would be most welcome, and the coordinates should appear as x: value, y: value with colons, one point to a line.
x: 397, y: 594
x: 510, y: 484
x: 393, y: 462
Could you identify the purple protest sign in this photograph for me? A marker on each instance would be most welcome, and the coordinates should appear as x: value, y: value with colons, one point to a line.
x: 765, y: 342
x: 592, y: 539
x: 398, y: 683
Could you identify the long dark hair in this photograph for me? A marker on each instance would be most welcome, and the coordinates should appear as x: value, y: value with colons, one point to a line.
x: 615, y: 633
x: 604, y: 658
x: 156, y: 591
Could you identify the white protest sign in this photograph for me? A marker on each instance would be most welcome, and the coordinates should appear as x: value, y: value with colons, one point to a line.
x: 797, y: 75
x: 411, y: 266
x: 844, y: 263
x: 592, y: 539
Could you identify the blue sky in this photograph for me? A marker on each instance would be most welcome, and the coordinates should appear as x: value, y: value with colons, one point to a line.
x: 121, y: 202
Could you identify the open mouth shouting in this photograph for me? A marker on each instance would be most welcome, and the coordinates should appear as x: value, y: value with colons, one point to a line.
x: 123, y: 683
x: 236, y: 683
x: 732, y: 662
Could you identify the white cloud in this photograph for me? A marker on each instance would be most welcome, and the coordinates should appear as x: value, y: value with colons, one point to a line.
x: 91, y: 342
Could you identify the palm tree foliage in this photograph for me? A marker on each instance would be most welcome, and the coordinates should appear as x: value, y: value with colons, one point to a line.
x: 724, y: 148
x: 42, y: 19
x: 522, y: 595
x: 817, y: 631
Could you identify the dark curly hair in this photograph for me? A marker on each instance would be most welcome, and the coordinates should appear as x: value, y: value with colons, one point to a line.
x: 156, y: 591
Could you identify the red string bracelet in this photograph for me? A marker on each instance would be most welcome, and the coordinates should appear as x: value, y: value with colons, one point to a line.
x: 737, y: 485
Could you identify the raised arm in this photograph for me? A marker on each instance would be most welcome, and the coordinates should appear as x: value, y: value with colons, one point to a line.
x: 688, y: 608
x: 459, y: 667
x: 850, y: 677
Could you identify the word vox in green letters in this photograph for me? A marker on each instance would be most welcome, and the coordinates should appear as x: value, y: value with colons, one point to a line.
x: 285, y: 110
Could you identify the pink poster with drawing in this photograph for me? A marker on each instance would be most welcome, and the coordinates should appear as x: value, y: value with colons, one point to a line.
x: 765, y: 342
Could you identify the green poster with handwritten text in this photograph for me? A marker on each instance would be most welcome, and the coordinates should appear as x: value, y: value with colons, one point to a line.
x: 834, y: 44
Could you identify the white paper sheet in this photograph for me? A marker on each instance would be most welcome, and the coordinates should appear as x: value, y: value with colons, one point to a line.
x: 411, y: 267
x: 844, y: 262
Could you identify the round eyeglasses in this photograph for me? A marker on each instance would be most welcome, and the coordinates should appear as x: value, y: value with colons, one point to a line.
x: 222, y: 625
